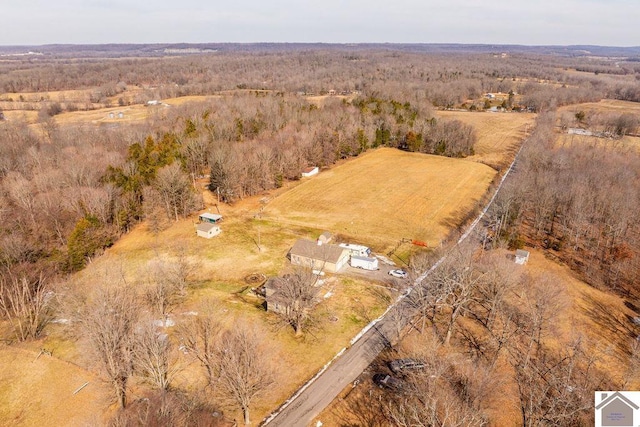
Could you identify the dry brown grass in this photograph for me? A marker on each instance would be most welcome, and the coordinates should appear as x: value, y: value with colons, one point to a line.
x: 604, y: 106
x: 38, y: 391
x: 386, y: 195
x: 499, y: 134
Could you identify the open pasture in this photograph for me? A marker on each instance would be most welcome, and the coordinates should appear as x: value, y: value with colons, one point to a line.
x: 384, y: 196
x: 499, y: 134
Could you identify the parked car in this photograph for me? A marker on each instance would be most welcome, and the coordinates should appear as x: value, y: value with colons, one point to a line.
x: 388, y: 381
x: 399, y: 273
x: 399, y: 365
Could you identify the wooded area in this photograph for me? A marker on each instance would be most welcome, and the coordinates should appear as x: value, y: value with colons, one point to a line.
x: 68, y: 192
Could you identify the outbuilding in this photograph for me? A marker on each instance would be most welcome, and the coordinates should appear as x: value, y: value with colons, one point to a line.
x: 310, y: 171
x: 522, y: 257
x: 207, y: 230
x: 210, y: 218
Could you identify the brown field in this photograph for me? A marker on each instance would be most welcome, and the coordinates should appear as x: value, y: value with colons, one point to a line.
x: 605, y: 106
x: 38, y: 391
x: 386, y: 195
x: 499, y: 134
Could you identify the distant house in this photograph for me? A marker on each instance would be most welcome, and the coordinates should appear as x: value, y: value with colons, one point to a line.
x: 210, y: 218
x: 318, y: 256
x: 207, y: 230
x: 616, y: 410
x: 153, y: 102
x: 310, y: 171
x: 522, y: 257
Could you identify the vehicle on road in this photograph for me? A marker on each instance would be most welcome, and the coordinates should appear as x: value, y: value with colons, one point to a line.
x: 399, y: 273
x: 398, y: 366
x: 389, y: 382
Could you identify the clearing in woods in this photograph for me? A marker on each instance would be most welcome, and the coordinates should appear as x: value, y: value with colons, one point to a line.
x: 386, y: 195
x: 499, y: 134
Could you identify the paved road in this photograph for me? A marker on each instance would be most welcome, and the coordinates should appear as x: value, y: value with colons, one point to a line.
x: 343, y: 371
x: 316, y: 395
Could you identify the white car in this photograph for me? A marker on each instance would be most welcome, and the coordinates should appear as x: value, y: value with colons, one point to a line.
x: 399, y: 273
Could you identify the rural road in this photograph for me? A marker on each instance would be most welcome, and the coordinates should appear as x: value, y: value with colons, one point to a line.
x: 308, y: 402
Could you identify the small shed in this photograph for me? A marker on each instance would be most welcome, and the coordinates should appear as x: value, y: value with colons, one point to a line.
x: 522, y: 257
x: 310, y: 171
x: 325, y: 237
x: 210, y: 218
x: 207, y: 230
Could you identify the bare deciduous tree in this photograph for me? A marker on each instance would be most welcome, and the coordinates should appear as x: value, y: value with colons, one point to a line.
x: 108, y: 321
x: 244, y: 367
x: 153, y: 356
x: 25, y: 304
x: 199, y: 337
x: 297, y: 292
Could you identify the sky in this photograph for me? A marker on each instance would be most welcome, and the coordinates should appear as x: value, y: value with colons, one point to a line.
x: 532, y: 22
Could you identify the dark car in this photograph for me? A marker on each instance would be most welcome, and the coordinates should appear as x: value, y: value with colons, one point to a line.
x: 388, y: 381
x: 399, y: 365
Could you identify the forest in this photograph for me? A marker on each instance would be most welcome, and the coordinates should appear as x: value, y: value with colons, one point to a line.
x: 68, y: 192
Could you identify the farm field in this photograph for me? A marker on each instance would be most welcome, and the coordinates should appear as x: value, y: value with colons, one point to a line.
x: 39, y: 391
x: 604, y: 106
x: 384, y: 196
x: 499, y: 134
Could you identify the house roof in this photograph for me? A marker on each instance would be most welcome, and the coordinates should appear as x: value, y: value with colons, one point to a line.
x: 327, y: 235
x: 214, y: 217
x: 325, y: 252
x: 620, y: 396
x: 309, y: 169
x: 521, y: 253
x: 206, y: 227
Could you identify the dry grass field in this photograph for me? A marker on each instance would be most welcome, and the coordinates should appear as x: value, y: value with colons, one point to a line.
x: 386, y: 195
x: 499, y: 134
x: 604, y: 106
x: 38, y: 391
x: 607, y: 106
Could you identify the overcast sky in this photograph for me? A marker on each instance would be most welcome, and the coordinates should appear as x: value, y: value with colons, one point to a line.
x: 532, y: 22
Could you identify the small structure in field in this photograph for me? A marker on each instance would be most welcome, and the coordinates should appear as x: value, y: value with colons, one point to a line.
x: 325, y: 238
x: 120, y: 115
x: 154, y: 102
x: 522, y: 257
x: 112, y: 115
x: 210, y: 218
x: 207, y: 230
x: 310, y: 171
x: 317, y: 256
